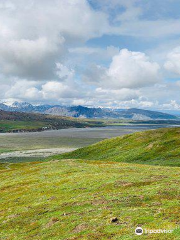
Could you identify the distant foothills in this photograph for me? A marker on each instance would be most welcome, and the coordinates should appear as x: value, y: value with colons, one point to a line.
x: 87, y: 112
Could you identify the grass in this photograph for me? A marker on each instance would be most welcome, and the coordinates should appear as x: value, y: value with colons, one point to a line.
x: 22, y: 159
x: 76, y: 199
x: 157, y: 147
x: 8, y: 126
x: 42, y: 122
x: 11, y: 126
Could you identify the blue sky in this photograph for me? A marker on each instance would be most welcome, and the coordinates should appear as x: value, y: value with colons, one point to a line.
x: 108, y: 53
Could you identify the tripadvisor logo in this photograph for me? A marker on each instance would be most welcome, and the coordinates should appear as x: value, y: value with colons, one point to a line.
x: 139, y: 231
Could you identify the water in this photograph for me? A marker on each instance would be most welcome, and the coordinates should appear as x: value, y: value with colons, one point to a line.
x: 99, y: 132
x: 61, y: 139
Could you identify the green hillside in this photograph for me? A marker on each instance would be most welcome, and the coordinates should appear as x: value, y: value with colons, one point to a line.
x: 20, y: 122
x: 77, y: 199
x: 101, y: 199
x: 156, y: 147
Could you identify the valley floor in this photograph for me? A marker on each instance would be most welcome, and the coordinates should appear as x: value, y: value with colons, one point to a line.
x: 77, y: 199
x: 35, y: 153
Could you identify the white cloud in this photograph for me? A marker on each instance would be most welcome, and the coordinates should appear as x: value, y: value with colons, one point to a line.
x: 133, y: 18
x: 67, y: 92
x: 63, y: 72
x: 149, y: 28
x: 127, y: 70
x: 133, y: 103
x: 132, y: 70
x: 55, y: 90
x: 172, y: 105
x: 173, y: 61
x: 40, y: 91
x: 110, y: 51
x: 29, y: 58
x: 34, y: 35
x: 23, y: 90
x: 79, y: 102
x: 94, y: 74
x: 43, y: 53
x: 118, y: 95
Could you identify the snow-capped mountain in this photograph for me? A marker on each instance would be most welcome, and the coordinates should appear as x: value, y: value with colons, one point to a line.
x: 85, y: 112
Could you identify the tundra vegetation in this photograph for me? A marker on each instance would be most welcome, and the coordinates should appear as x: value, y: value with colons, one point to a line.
x: 103, y: 191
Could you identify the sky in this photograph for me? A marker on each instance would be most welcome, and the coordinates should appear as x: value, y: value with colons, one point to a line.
x: 96, y: 53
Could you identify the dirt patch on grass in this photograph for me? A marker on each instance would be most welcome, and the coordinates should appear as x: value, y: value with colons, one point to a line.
x: 150, y: 146
x: 52, y: 222
x: 79, y: 228
x: 132, y: 184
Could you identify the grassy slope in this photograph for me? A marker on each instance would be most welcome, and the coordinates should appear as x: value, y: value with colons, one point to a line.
x: 157, y: 147
x: 8, y: 125
x: 13, y: 121
x: 75, y: 199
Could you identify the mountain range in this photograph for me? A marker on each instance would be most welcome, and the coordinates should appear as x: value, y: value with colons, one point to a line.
x: 86, y: 112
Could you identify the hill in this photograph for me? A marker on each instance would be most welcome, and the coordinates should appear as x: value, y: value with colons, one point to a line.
x: 86, y: 112
x: 155, y: 147
x: 99, y: 198
x: 17, y: 122
x: 141, y: 114
x: 88, y: 200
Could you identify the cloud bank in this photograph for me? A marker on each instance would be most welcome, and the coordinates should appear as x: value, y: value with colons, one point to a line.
x: 72, y: 52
